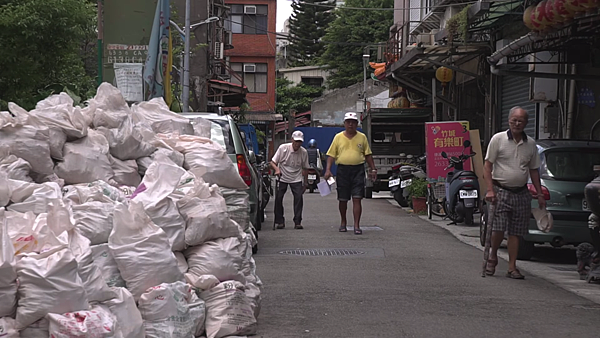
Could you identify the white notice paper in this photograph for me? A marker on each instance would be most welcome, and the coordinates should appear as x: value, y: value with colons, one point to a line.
x: 130, y: 81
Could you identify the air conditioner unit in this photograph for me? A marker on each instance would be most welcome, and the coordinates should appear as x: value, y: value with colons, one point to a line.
x: 249, y: 9
x: 219, y: 50
x: 249, y: 68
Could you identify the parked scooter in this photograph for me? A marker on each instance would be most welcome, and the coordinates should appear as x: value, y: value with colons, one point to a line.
x: 402, y: 175
x: 313, y: 179
x: 462, y: 188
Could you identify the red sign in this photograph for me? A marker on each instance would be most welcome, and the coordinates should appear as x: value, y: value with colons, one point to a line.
x: 448, y: 137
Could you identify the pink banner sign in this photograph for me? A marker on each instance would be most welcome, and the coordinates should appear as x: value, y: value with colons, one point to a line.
x: 448, y: 137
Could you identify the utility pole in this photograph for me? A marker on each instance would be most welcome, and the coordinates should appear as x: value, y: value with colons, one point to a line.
x: 366, y: 58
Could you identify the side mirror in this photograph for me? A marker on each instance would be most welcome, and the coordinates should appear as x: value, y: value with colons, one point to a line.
x: 252, y: 157
x: 467, y: 143
x: 444, y: 155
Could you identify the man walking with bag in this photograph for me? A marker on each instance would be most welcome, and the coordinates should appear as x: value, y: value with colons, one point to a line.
x: 290, y: 163
x: 511, y: 158
x: 350, y: 149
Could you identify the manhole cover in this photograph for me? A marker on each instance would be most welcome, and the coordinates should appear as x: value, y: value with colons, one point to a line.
x: 322, y: 252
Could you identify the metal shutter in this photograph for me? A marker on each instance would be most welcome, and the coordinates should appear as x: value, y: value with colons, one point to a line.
x: 515, y: 92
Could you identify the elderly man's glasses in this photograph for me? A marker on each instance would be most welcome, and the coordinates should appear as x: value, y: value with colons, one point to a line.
x: 516, y: 122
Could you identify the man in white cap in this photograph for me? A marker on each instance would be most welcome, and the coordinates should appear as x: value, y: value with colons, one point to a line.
x: 290, y: 163
x: 350, y: 149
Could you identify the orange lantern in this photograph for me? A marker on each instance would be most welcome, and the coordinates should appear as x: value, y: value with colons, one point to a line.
x: 538, y: 17
x: 527, y: 17
x: 444, y: 75
x: 574, y: 7
x: 559, y: 11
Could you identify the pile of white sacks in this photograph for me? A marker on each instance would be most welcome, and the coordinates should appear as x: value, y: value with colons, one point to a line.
x: 113, y: 223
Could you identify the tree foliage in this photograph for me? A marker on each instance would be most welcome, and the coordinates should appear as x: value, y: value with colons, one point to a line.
x: 47, y: 45
x: 343, y: 52
x: 308, y: 24
x: 298, y: 97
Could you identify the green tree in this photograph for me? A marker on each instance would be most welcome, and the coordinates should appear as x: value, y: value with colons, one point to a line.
x: 46, y: 46
x: 308, y: 24
x: 297, y: 97
x: 347, y: 35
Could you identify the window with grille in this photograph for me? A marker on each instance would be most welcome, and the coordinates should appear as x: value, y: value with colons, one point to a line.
x: 255, y: 81
x: 247, y: 19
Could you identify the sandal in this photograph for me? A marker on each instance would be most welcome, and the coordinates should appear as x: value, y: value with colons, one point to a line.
x: 490, y: 268
x: 358, y: 231
x: 515, y: 274
x: 343, y: 228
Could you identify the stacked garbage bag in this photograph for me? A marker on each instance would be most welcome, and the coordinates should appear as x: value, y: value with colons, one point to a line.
x: 119, y: 221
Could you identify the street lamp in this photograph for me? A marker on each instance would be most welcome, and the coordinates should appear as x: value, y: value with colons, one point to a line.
x: 185, y: 95
x: 366, y: 58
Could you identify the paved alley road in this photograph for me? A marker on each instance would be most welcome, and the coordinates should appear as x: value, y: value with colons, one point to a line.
x: 409, y: 278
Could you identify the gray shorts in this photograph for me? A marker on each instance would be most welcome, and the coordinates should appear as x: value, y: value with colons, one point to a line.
x: 350, y: 181
x: 513, y: 211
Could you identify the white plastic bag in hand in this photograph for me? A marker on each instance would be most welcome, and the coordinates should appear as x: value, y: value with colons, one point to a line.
x: 206, y: 218
x: 128, y: 316
x: 171, y: 310
x: 98, y: 322
x: 86, y: 160
x: 48, y: 283
x: 28, y: 140
x: 8, y: 328
x: 108, y: 266
x: 202, y: 153
x: 94, y: 220
x: 141, y: 249
x: 220, y: 258
x: 8, y: 273
x: 228, y: 311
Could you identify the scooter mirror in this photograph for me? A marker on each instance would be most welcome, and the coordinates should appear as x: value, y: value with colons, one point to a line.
x: 444, y: 155
x: 467, y: 143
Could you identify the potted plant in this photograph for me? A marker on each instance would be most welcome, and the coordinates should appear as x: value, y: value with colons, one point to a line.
x: 418, y: 193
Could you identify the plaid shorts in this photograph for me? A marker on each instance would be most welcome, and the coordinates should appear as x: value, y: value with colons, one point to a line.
x: 513, y: 211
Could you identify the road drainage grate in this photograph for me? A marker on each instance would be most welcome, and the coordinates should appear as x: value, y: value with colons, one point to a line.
x: 322, y: 252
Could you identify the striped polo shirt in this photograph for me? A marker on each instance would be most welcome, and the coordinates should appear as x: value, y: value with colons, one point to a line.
x: 512, y: 160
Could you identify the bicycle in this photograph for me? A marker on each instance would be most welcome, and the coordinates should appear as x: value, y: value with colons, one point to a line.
x: 436, y: 199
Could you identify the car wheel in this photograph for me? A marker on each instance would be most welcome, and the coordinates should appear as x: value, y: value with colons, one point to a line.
x: 525, y: 250
x: 369, y: 192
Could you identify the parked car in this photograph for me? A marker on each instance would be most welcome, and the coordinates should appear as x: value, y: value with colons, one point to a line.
x: 231, y: 139
x: 566, y: 167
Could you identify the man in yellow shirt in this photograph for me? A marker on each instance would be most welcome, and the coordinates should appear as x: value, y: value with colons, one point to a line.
x: 350, y: 149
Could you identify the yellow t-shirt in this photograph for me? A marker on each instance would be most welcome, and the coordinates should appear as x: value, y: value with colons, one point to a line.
x: 349, y: 151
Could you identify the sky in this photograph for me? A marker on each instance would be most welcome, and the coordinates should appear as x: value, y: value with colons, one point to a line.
x: 284, y: 10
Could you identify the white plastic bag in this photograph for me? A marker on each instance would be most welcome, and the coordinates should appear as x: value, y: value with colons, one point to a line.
x: 37, y: 201
x: 108, y: 266
x: 171, y: 310
x: 141, y: 249
x: 162, y: 120
x: 8, y: 328
x: 238, y: 206
x: 220, y: 258
x: 91, y: 275
x: 46, y: 282
x: 57, y: 111
x: 8, y: 273
x: 39, y: 329
x: 228, y: 311
x: 108, y: 108
x: 4, y: 189
x: 98, y: 322
x: 128, y: 316
x: 83, y: 193
x: 86, y: 160
x: 253, y: 293
x: 202, y: 153
x: 16, y: 168
x: 206, y: 218
x: 27, y: 139
x: 20, y: 230
x: 143, y: 163
x: 181, y: 262
x: 94, y: 220
x: 126, y: 172
x: 127, y: 143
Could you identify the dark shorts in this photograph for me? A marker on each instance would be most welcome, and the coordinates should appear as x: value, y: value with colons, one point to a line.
x: 350, y: 181
x: 513, y: 211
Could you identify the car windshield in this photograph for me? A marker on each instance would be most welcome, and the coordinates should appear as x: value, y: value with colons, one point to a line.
x: 571, y: 164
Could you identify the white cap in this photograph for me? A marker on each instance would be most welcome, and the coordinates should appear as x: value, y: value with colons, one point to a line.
x: 350, y: 116
x: 298, y: 136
